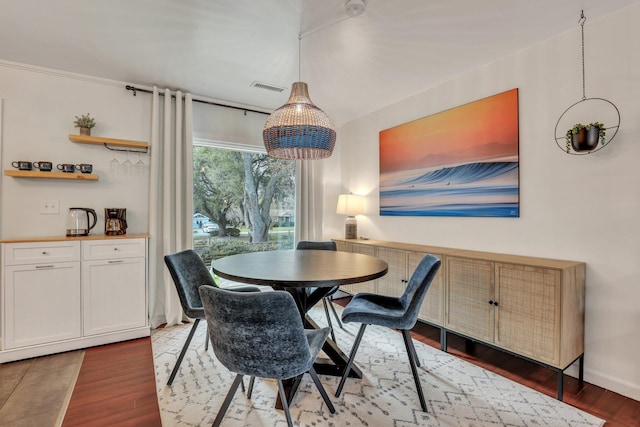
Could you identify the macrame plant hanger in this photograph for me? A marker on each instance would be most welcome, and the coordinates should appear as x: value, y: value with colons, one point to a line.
x: 563, y: 140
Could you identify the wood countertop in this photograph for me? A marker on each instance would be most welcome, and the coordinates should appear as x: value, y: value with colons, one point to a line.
x: 64, y: 238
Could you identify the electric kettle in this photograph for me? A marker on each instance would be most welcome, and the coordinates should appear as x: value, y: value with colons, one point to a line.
x: 78, y: 223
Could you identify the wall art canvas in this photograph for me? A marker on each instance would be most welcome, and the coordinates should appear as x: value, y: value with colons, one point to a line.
x: 459, y: 162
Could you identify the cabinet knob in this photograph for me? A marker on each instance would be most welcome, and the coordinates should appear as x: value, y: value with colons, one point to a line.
x: 492, y: 302
x: 116, y: 249
x: 45, y: 253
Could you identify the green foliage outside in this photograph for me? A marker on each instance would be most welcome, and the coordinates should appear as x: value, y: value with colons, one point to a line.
x: 239, y: 189
x: 245, y: 194
x: 227, y: 247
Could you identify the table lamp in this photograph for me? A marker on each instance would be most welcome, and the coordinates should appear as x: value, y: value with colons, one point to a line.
x: 350, y: 205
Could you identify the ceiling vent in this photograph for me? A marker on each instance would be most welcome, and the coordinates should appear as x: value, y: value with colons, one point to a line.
x: 354, y: 7
x: 268, y: 86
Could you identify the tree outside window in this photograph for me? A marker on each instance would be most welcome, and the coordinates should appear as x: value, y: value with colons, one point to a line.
x: 244, y: 200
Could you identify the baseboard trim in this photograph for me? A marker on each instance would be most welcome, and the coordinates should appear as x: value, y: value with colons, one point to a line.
x: 73, y: 344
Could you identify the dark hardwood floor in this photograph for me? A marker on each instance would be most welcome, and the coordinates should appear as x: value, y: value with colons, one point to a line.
x: 116, y: 385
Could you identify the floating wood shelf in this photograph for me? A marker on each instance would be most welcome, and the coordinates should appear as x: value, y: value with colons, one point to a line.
x: 51, y: 175
x: 84, y: 139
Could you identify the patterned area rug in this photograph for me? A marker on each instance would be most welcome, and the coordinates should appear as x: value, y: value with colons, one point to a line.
x: 457, y: 392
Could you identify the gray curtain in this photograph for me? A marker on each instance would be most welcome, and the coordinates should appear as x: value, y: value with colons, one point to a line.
x: 308, y: 200
x: 171, y: 199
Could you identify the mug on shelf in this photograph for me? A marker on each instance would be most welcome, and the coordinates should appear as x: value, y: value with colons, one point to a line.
x: 85, y: 168
x: 67, y: 167
x: 22, y: 165
x: 43, y: 166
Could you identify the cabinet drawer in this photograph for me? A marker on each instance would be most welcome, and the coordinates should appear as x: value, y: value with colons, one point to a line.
x: 112, y: 249
x: 41, y: 252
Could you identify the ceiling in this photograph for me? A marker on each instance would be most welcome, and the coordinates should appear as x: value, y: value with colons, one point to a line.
x: 217, y: 48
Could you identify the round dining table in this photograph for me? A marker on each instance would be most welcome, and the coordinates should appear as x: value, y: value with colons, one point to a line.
x: 297, y: 270
x: 300, y: 268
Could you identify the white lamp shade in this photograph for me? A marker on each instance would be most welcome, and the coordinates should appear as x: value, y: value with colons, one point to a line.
x: 350, y: 204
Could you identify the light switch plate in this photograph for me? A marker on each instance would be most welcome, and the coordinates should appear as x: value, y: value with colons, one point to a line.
x: 49, y: 207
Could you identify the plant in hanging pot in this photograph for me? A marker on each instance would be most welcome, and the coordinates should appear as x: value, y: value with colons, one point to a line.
x: 585, y: 137
x: 85, y: 123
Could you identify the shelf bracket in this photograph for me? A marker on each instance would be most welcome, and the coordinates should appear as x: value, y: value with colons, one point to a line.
x: 145, y: 151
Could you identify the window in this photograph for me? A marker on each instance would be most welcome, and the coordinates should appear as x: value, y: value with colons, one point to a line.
x: 244, y: 201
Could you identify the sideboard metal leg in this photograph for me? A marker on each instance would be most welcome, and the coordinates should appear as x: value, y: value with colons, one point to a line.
x: 443, y: 339
x: 581, y: 368
x: 560, y: 383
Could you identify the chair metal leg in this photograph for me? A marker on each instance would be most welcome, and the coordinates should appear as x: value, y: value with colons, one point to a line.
x: 335, y: 314
x: 182, y: 353
x: 413, y: 349
x: 206, y: 341
x: 323, y: 393
x: 250, y: 389
x: 285, y: 405
x: 412, y: 362
x: 227, y: 400
x: 352, y: 356
x: 326, y: 312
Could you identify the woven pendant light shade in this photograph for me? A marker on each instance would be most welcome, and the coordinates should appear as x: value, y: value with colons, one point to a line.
x: 299, y: 129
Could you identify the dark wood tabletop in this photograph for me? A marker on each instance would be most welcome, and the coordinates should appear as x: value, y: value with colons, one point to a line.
x: 300, y: 268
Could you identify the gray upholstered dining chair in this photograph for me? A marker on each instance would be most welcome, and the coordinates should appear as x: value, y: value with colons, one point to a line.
x: 328, y: 245
x: 189, y: 272
x: 250, y: 337
x: 393, y: 312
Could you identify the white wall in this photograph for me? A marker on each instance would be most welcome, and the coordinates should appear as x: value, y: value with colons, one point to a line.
x: 39, y: 108
x: 584, y: 208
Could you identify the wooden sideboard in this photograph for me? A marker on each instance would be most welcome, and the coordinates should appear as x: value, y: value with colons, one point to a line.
x: 530, y: 307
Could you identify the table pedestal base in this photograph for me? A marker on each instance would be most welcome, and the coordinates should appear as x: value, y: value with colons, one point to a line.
x: 333, y: 366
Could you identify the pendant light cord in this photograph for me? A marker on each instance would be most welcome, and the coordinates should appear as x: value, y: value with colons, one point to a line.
x: 582, y: 20
x: 299, y: 56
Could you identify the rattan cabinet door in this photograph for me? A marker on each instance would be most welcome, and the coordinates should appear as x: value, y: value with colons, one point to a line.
x: 395, y: 281
x: 344, y: 247
x: 470, y: 296
x: 369, y: 286
x: 528, y: 314
x: 431, y: 309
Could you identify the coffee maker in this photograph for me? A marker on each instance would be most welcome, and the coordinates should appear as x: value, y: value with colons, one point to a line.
x: 115, y: 221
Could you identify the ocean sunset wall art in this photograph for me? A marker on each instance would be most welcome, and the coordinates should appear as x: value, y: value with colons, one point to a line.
x: 459, y: 162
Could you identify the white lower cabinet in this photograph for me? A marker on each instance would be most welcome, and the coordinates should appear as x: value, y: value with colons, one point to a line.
x: 113, y: 289
x: 64, y: 295
x: 42, y: 303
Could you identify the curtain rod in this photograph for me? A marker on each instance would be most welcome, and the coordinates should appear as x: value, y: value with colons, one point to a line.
x: 137, y: 89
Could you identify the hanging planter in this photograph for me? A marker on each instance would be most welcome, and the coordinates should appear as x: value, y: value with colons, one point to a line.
x: 585, y: 137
